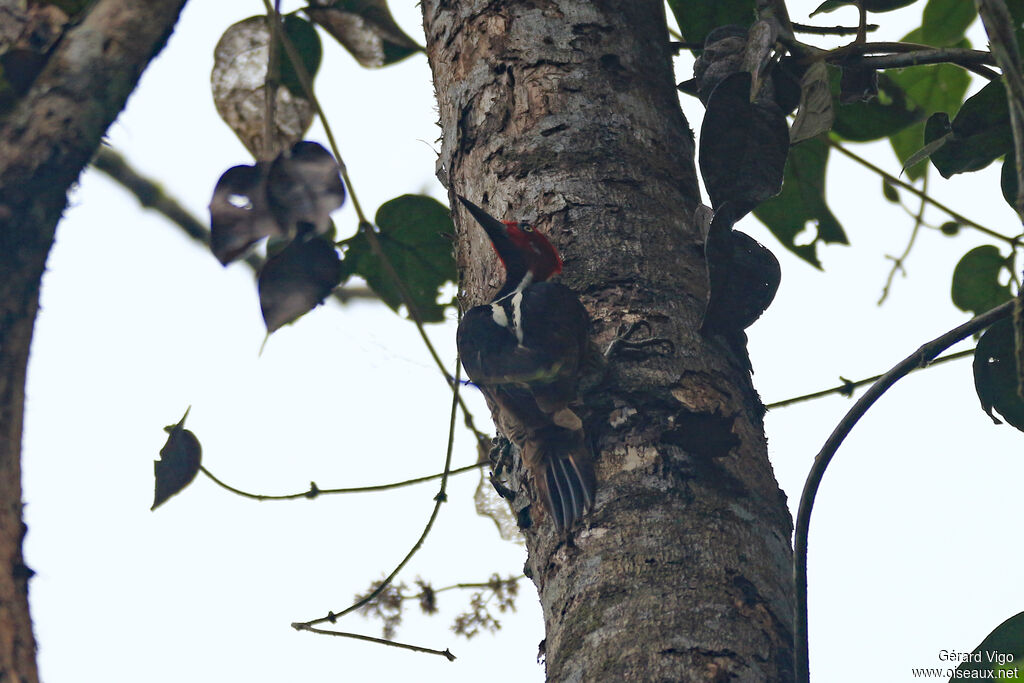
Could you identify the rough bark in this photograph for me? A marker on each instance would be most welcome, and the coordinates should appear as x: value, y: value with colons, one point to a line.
x: 564, y: 112
x: 45, y: 140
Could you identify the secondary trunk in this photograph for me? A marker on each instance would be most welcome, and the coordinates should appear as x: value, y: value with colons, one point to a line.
x: 47, y: 136
x: 565, y: 114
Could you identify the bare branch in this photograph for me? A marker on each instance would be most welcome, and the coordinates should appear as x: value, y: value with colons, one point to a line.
x: 446, y: 653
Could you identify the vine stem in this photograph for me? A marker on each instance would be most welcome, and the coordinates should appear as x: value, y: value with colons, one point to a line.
x: 439, y: 499
x: 365, y: 225
x: 920, y: 358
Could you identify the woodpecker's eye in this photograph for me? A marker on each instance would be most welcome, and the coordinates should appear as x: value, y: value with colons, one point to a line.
x: 525, y: 227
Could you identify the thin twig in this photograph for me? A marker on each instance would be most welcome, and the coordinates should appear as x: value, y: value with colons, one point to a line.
x: 314, y: 491
x: 920, y: 358
x: 270, y: 85
x: 446, y: 653
x: 440, y: 498
x: 960, y: 218
x: 897, y: 261
x: 831, y: 30
x: 848, y: 386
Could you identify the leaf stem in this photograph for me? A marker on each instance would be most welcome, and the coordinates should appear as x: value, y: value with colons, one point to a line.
x: 446, y: 653
x: 920, y: 358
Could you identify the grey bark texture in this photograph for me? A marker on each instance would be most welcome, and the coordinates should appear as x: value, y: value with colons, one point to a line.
x: 565, y: 113
x: 46, y: 138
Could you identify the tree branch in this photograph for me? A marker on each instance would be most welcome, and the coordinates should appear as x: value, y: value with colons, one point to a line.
x: 920, y: 358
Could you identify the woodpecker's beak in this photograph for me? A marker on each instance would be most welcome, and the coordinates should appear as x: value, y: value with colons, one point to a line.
x: 495, y: 229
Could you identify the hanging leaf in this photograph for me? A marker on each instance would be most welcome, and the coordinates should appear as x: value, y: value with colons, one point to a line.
x: 365, y: 28
x: 858, y: 84
x: 815, y: 113
x: 999, y: 657
x: 905, y: 143
x: 697, y: 19
x: 411, y: 231
x: 976, y: 287
x: 303, y: 188
x: 306, y: 40
x: 179, y: 462
x: 1008, y: 179
x: 239, y: 80
x: 743, y: 146
x: 293, y: 195
x: 801, y: 204
x: 297, y: 279
x: 995, y: 374
x: 239, y: 216
x: 890, y: 192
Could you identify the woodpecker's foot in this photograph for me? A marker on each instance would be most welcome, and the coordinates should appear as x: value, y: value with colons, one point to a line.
x: 624, y: 341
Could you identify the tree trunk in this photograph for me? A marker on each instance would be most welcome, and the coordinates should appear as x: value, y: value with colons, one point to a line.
x: 46, y: 139
x: 566, y: 114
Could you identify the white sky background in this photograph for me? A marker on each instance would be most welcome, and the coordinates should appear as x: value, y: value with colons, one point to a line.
x: 915, y: 545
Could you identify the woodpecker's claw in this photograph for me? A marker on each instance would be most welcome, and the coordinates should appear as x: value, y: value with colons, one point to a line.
x: 500, y: 457
x: 624, y: 342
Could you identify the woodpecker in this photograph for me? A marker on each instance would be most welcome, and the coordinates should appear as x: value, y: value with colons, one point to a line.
x: 525, y: 349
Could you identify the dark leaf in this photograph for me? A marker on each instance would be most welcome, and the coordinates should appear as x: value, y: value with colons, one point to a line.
x: 869, y: 5
x: 950, y: 228
x: 743, y: 146
x: 743, y: 275
x: 995, y: 374
x: 296, y: 279
x: 976, y: 287
x: 365, y: 28
x: 1008, y: 179
x: 411, y: 233
x: 238, y: 82
x: 697, y: 19
x: 945, y: 21
x: 1000, y: 656
x: 890, y: 112
x: 981, y: 132
x: 306, y: 40
x: 815, y: 113
x: 890, y: 192
x: 239, y: 216
x: 801, y: 204
x: 858, y: 84
x: 179, y: 462
x: 303, y: 188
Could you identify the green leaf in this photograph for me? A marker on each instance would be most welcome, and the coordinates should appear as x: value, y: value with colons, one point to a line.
x: 304, y: 37
x: 945, y: 21
x: 802, y: 204
x: 883, y: 117
x: 869, y: 5
x: 412, y: 231
x: 976, y: 285
x: 981, y: 132
x: 1002, y: 650
x: 995, y: 375
x: 933, y: 87
x: 696, y: 19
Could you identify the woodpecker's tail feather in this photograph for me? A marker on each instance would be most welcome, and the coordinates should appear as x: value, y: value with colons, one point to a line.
x: 564, y: 476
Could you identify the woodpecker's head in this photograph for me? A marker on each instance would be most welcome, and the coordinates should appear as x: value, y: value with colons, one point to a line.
x: 521, y: 248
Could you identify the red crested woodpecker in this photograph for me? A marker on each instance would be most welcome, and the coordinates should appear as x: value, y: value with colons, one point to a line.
x: 525, y: 350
